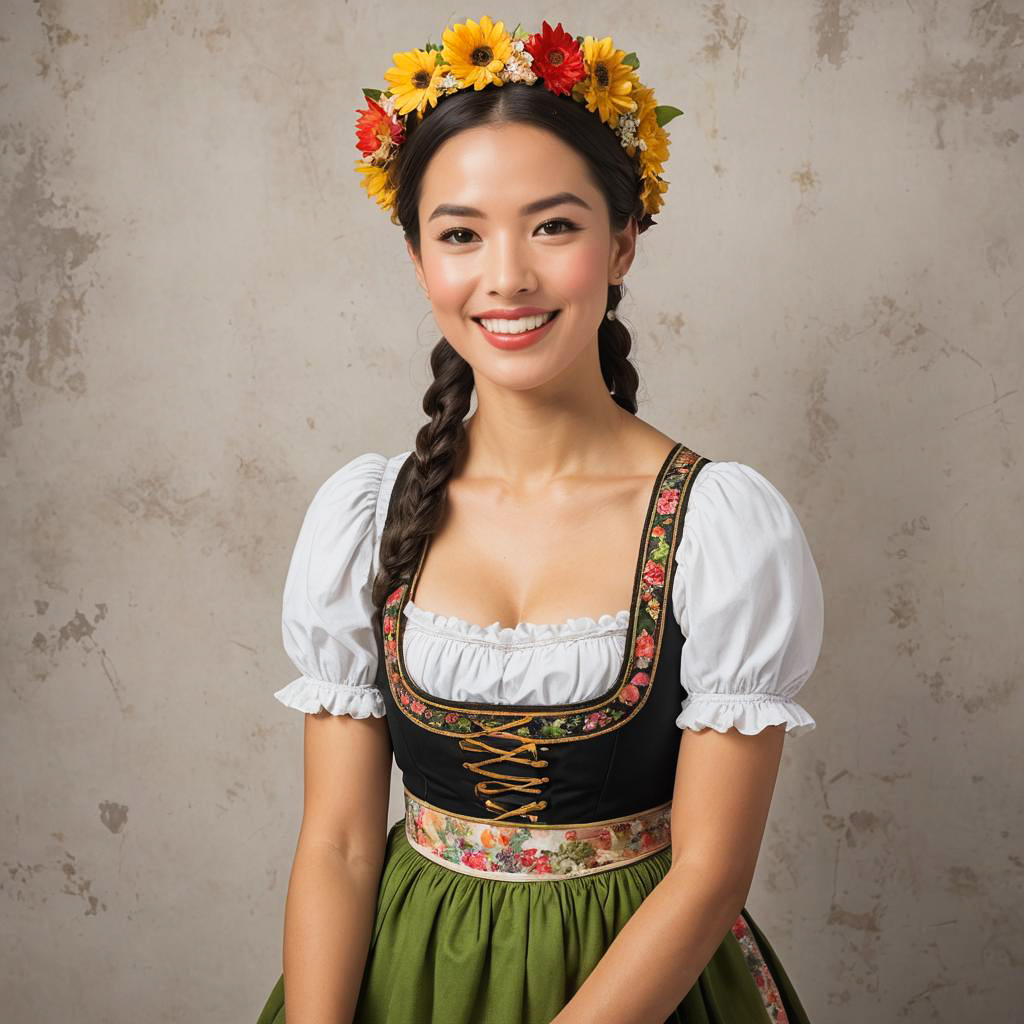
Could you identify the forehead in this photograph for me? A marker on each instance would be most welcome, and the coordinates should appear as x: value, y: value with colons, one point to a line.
x: 503, y: 166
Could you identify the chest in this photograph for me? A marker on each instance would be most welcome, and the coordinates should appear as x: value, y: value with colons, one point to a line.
x: 511, y: 558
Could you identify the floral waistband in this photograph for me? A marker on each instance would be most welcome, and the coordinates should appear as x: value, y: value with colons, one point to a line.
x: 533, y: 853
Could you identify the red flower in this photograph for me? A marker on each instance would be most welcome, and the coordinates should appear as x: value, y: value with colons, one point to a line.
x: 654, y: 574
x: 667, y: 501
x: 630, y: 694
x: 557, y: 58
x: 476, y: 860
x: 644, y: 645
x: 376, y: 128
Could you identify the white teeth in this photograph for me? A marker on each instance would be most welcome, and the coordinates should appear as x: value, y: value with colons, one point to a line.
x: 518, y: 326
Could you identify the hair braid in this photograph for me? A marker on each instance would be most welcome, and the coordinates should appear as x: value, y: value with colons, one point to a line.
x: 439, y: 444
x: 613, y: 344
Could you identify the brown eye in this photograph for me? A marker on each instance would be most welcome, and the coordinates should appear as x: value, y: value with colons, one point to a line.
x: 561, y: 222
x: 568, y: 224
x: 445, y: 235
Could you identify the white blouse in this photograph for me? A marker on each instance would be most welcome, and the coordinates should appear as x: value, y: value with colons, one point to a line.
x: 745, y: 592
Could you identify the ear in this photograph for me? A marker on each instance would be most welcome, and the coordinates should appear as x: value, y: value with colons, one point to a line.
x: 417, y: 266
x: 623, y: 250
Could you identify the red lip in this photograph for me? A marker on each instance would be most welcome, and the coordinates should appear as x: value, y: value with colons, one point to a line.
x: 511, y: 314
x: 513, y: 342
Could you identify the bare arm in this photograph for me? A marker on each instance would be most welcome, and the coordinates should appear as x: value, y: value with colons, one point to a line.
x: 723, y: 791
x: 332, y: 891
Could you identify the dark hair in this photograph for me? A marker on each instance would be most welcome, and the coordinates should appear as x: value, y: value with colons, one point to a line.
x: 440, y: 442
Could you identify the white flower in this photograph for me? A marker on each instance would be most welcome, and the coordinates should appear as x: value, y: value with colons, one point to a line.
x: 518, y: 70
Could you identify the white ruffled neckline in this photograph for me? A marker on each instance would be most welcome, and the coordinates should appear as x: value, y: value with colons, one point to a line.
x: 525, y: 632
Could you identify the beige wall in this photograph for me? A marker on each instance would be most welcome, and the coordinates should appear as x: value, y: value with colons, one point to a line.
x: 203, y: 317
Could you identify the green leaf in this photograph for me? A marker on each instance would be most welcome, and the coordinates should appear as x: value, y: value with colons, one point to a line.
x: 632, y: 60
x: 374, y: 94
x: 665, y: 114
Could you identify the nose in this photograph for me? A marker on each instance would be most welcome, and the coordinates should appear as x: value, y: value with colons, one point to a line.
x: 509, y: 265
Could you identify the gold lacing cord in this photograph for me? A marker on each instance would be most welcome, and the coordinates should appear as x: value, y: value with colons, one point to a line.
x: 505, y: 783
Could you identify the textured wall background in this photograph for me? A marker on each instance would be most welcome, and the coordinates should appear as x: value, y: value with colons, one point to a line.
x: 203, y: 317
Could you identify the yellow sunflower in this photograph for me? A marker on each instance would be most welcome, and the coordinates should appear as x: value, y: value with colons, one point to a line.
x: 609, y: 83
x: 655, y: 139
x: 474, y: 53
x: 643, y: 96
x: 375, y: 181
x: 655, y: 150
x: 414, y: 80
x: 651, y: 192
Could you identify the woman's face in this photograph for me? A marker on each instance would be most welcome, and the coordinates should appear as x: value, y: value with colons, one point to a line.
x: 483, y: 248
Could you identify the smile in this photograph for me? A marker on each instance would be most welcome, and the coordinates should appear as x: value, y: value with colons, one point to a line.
x: 518, y: 333
x: 520, y: 325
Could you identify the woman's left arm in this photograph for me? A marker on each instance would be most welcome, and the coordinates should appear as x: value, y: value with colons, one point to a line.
x: 723, y: 790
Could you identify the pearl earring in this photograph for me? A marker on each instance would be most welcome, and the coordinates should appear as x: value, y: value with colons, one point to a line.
x: 610, y: 315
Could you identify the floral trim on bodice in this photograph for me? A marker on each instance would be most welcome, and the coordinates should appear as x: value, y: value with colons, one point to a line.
x: 525, y: 853
x: 567, y: 722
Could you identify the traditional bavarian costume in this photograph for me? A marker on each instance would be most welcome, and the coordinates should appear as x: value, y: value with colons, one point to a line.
x: 533, y: 831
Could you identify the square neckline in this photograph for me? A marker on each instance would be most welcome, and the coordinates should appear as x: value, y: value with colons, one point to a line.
x: 629, y: 652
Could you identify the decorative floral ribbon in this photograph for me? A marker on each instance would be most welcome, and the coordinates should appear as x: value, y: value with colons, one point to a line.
x: 533, y: 853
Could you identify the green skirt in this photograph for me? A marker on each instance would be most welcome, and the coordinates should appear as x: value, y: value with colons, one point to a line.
x: 453, y: 948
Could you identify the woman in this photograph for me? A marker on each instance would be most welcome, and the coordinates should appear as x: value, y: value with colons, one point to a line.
x: 587, y: 779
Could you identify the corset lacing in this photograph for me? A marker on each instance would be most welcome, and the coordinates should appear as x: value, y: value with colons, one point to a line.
x: 505, y: 783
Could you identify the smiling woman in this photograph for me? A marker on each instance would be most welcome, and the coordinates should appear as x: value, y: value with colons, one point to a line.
x: 587, y: 787
x: 477, y: 242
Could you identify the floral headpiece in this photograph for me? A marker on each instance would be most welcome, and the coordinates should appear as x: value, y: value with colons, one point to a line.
x: 475, y: 56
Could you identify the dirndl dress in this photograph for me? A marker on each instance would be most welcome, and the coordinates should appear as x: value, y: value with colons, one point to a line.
x: 532, y: 833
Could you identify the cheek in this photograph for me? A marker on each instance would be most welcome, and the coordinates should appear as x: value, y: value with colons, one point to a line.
x: 585, y: 273
x: 448, y: 284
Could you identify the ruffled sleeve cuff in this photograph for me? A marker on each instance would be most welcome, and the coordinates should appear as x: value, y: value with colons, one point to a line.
x: 310, y: 695
x: 748, y: 712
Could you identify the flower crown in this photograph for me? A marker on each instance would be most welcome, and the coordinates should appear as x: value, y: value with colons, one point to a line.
x: 475, y: 56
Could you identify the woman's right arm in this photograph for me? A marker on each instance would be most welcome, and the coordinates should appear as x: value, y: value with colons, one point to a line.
x: 332, y: 892
x: 327, y: 632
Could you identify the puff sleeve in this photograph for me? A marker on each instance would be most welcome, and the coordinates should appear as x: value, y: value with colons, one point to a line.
x: 326, y: 611
x: 748, y: 598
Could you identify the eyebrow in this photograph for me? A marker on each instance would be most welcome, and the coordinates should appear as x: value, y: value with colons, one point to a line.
x: 537, y: 206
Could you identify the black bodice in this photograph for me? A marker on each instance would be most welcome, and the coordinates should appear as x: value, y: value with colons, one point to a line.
x: 606, y: 757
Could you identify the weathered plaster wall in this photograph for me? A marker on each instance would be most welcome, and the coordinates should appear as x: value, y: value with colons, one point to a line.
x: 203, y: 316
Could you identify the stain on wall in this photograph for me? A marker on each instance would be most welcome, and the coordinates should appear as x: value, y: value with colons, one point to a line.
x: 46, y: 291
